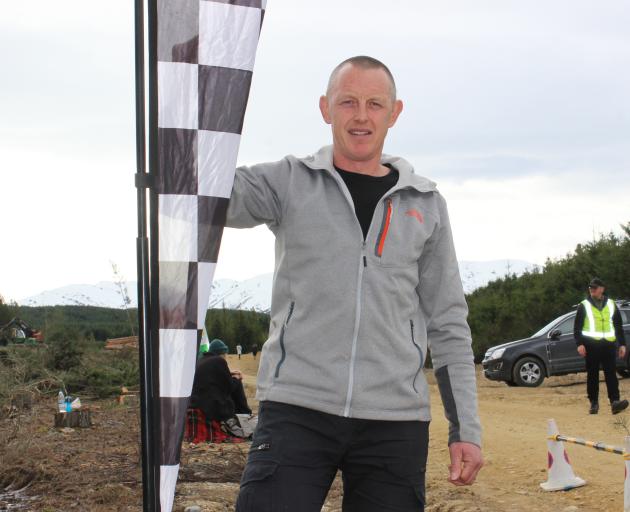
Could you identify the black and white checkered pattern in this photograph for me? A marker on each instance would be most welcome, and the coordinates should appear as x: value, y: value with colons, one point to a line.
x: 205, y: 52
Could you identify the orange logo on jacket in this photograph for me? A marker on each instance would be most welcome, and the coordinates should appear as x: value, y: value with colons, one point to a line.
x: 415, y: 213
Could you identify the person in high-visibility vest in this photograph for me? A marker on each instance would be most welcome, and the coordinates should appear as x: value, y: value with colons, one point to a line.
x: 598, y: 332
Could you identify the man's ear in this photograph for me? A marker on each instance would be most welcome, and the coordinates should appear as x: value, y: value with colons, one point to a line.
x: 398, y: 106
x: 323, y: 108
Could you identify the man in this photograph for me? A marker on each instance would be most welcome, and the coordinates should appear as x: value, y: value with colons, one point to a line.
x: 366, y: 281
x: 598, y: 331
x: 217, y: 391
x: 239, y: 350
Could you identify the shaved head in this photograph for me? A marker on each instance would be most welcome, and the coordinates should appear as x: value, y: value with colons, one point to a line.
x: 363, y: 62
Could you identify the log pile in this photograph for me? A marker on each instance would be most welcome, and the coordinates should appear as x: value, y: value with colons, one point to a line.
x: 122, y: 343
x: 129, y: 397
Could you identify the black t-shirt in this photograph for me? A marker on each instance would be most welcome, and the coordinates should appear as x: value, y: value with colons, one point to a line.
x: 366, y: 191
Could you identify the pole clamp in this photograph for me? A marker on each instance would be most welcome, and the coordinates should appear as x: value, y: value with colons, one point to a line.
x: 144, y: 180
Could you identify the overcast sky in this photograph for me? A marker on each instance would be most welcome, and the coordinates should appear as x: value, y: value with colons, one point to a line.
x: 519, y: 110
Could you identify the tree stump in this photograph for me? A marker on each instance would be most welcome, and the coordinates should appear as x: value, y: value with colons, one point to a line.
x: 74, y: 419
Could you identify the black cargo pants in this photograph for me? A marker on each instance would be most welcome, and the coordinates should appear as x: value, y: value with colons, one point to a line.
x: 296, y: 452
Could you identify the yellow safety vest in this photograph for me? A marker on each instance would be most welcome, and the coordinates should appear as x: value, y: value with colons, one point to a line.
x: 599, y: 324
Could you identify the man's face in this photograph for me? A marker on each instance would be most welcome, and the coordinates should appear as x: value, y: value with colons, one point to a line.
x: 360, y: 108
x: 596, y: 292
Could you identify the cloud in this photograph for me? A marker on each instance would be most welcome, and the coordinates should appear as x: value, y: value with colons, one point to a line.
x: 510, y: 83
x: 532, y: 217
x: 520, y: 110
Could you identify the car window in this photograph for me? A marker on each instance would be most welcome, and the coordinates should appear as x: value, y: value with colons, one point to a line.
x: 547, y: 327
x: 625, y: 315
x: 566, y: 326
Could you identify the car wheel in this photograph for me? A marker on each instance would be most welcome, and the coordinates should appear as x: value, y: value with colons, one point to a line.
x: 528, y: 372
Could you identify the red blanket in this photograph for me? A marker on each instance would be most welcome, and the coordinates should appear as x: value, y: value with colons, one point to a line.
x: 200, y: 430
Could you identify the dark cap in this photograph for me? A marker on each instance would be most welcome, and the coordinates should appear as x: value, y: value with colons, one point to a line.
x: 217, y: 347
x: 595, y: 282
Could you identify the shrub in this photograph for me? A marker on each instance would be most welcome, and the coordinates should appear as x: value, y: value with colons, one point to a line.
x: 103, y: 373
x: 66, y: 348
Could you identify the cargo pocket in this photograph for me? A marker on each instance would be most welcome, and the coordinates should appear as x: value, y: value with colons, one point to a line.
x: 413, y: 481
x: 256, y: 493
x: 258, y: 471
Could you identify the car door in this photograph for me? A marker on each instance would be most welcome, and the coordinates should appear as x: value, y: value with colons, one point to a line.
x: 625, y: 319
x: 563, y: 354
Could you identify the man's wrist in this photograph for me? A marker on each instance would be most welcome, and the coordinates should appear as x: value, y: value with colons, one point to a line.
x: 474, y: 443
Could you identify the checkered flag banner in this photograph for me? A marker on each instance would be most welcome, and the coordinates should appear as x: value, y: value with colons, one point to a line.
x: 205, y: 57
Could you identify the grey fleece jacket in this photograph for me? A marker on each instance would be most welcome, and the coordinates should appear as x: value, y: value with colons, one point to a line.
x: 352, y: 319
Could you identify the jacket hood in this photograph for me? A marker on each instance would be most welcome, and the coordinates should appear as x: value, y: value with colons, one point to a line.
x: 323, y: 159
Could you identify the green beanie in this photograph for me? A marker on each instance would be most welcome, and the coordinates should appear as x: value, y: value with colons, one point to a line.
x: 217, y: 347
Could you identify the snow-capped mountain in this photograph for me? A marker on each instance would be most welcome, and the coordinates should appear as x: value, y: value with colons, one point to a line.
x: 254, y: 293
x: 104, y: 294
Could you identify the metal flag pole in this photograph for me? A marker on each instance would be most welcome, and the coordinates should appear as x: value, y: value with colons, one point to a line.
x: 142, y: 253
x: 154, y: 310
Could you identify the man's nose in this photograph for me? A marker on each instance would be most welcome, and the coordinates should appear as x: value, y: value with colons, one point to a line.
x: 361, y: 112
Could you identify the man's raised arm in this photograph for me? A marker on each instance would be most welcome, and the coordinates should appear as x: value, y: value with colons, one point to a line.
x: 257, y: 195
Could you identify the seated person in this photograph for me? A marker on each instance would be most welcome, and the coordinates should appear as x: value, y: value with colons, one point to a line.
x: 217, y: 391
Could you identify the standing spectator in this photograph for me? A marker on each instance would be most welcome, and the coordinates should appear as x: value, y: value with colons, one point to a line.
x: 254, y: 350
x: 598, y: 332
x: 239, y: 350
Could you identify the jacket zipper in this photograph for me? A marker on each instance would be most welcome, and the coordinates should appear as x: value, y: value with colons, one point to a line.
x: 355, y: 333
x: 282, y: 348
x: 387, y: 218
x: 362, y: 266
x: 413, y: 340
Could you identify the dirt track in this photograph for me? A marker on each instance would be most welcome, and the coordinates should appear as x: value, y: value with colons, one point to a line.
x: 515, y: 423
x: 98, y: 470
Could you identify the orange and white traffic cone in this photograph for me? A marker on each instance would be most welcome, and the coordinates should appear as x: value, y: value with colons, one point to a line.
x: 560, y: 475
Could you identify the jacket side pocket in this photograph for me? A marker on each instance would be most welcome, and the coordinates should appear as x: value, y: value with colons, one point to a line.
x: 421, y: 355
x: 283, y: 350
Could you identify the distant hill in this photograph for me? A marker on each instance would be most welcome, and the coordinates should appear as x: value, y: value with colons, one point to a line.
x: 252, y: 294
x: 104, y: 294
